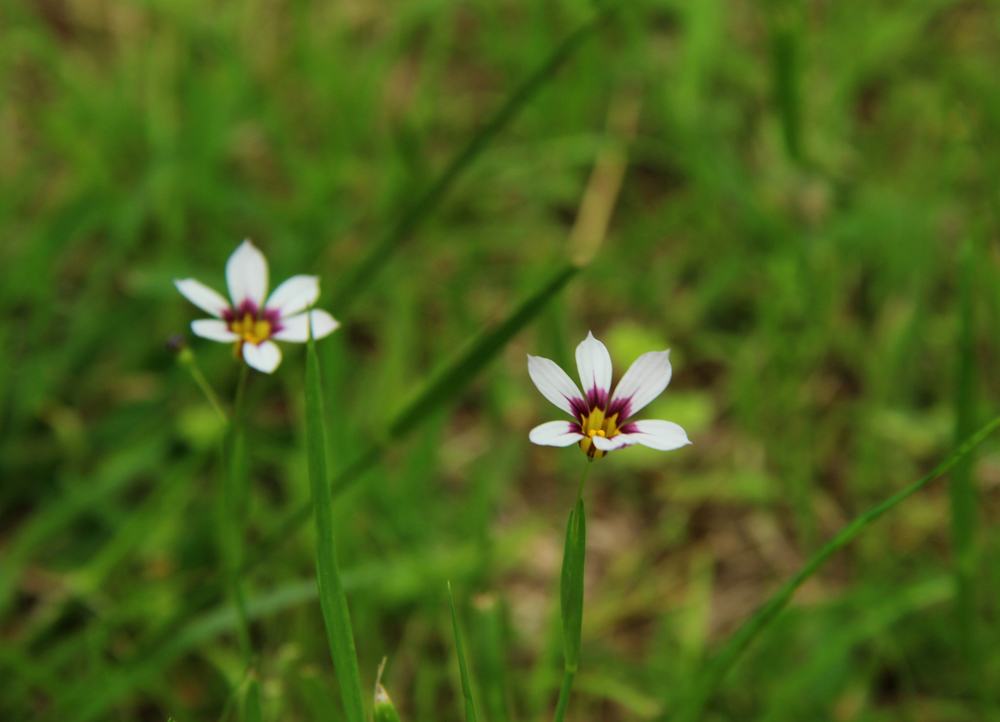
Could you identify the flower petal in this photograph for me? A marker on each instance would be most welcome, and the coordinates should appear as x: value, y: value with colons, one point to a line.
x: 594, y: 364
x: 619, y: 441
x: 656, y: 434
x: 264, y: 356
x: 643, y: 382
x: 205, y: 298
x: 246, y: 275
x: 555, y: 433
x: 556, y: 386
x: 296, y: 294
x: 215, y: 330
x: 323, y: 324
x: 296, y: 328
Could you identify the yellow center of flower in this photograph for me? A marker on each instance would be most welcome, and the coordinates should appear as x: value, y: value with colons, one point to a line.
x: 251, y: 329
x: 594, y: 424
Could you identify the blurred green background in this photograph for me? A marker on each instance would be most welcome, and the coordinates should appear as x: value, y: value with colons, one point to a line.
x: 808, y: 219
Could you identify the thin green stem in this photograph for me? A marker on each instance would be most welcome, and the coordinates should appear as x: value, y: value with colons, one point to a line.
x: 235, y: 495
x: 563, y: 703
x: 186, y: 359
x: 586, y: 470
x: 571, y: 593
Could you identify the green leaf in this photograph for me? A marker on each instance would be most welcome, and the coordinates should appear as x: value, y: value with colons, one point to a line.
x: 470, y: 709
x: 332, y: 599
x: 252, y: 711
x: 385, y: 710
x: 571, y: 585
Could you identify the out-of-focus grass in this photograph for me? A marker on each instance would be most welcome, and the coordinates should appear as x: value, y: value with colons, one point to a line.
x: 811, y: 299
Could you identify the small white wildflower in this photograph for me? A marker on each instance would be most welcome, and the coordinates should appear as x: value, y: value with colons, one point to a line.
x: 250, y: 323
x: 602, y: 417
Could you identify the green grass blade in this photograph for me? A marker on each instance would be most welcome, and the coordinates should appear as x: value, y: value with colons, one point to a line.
x: 333, y: 600
x: 252, y: 709
x: 487, y: 642
x: 962, y: 491
x: 786, y: 34
x: 725, y: 659
x: 470, y: 708
x: 361, y: 276
x: 571, y: 585
x: 440, y: 389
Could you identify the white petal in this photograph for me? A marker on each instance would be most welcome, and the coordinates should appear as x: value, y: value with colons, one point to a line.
x: 296, y: 294
x: 643, y: 382
x: 555, y: 433
x: 295, y: 329
x: 323, y: 324
x: 556, y: 386
x: 657, y: 434
x: 594, y: 364
x: 264, y: 356
x: 215, y: 330
x: 620, y: 441
x: 202, y: 296
x: 246, y: 275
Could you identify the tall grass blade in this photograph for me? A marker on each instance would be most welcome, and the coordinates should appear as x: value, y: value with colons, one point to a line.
x: 440, y: 389
x: 332, y: 598
x: 732, y: 650
x: 964, y: 500
x: 785, y: 50
x: 361, y: 276
x: 488, y: 656
x: 470, y: 708
x: 571, y: 596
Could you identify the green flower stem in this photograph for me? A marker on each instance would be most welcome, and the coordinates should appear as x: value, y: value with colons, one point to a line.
x: 571, y: 594
x: 186, y: 359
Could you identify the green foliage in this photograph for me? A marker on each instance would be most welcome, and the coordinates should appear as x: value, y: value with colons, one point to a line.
x: 470, y: 708
x: 808, y: 220
x: 332, y: 598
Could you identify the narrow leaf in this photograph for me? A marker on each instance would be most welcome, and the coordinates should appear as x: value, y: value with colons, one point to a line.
x: 571, y: 585
x: 470, y: 710
x: 332, y: 599
x: 362, y: 275
x: 736, y: 645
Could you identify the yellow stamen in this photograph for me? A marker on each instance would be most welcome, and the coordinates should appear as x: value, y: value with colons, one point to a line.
x: 250, y: 329
x: 594, y: 424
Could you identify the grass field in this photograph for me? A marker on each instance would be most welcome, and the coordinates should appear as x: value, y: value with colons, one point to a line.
x: 803, y: 203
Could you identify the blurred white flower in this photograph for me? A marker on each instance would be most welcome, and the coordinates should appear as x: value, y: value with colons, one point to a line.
x: 602, y: 417
x: 250, y: 323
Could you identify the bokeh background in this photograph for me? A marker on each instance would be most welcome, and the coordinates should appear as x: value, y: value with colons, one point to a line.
x: 808, y: 218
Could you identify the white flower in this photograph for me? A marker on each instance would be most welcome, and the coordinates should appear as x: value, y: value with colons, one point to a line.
x: 250, y: 323
x: 602, y: 417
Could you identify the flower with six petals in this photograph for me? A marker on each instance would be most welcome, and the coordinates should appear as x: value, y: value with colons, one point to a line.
x: 251, y: 323
x: 601, y: 417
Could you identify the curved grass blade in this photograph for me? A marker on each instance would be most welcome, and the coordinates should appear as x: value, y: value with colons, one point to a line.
x: 470, y: 708
x: 332, y: 598
x: 363, y: 273
x: 440, y: 389
x: 725, y: 659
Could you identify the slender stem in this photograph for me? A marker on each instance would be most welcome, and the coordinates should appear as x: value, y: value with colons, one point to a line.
x: 564, y: 696
x: 571, y: 591
x: 579, y: 491
x: 235, y: 496
x: 187, y: 360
